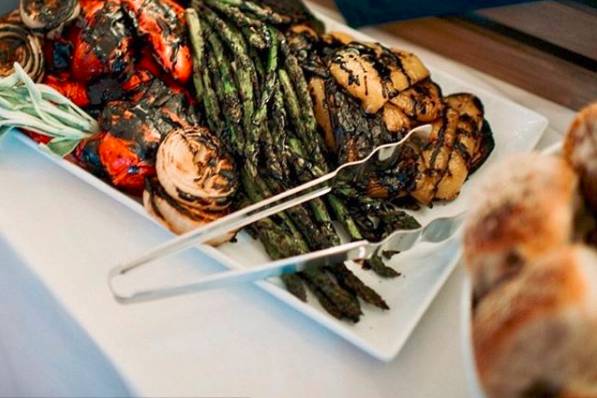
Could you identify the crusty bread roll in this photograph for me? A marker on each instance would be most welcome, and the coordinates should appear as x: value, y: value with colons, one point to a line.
x: 537, y: 333
x: 580, y: 149
x: 523, y: 207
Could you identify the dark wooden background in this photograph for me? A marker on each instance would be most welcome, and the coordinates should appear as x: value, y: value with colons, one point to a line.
x: 548, y: 48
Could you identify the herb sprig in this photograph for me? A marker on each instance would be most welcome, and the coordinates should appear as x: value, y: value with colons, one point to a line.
x: 41, y: 109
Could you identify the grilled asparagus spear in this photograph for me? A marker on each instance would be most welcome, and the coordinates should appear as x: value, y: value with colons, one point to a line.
x: 263, y: 109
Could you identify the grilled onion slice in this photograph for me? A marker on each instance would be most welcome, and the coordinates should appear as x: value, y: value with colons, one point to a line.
x: 13, y: 16
x: 194, y: 169
x: 195, y: 182
x: 17, y: 44
x: 175, y: 215
x: 47, y: 15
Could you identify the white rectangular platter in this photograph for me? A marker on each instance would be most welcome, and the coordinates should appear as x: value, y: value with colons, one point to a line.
x: 425, y: 268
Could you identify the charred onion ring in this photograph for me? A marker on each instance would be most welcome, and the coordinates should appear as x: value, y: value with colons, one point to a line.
x: 195, y: 182
x: 19, y: 45
x: 47, y: 15
x: 193, y: 169
x: 176, y: 216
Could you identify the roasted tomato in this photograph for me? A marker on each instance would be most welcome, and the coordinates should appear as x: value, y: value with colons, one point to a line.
x: 148, y: 63
x: 74, y: 91
x: 122, y: 164
x: 103, y: 46
x: 116, y: 159
x: 88, y: 156
x: 125, y: 154
x: 162, y: 23
x: 39, y: 138
x: 58, y: 55
x: 137, y: 80
x: 146, y: 69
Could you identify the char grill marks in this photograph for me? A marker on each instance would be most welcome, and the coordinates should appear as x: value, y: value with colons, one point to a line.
x: 196, y: 181
x: 153, y: 111
x: 382, y: 62
x: 161, y: 24
x: 194, y: 169
x: 373, y: 73
x: 46, y: 15
x: 352, y: 135
x: 103, y: 44
x: 133, y: 130
x: 460, y: 142
x: 365, y: 95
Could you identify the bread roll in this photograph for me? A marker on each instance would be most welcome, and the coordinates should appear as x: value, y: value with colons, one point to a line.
x: 536, y: 335
x: 580, y: 149
x: 523, y: 207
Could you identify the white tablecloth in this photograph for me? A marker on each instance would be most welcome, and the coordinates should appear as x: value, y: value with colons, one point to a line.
x: 43, y: 350
x: 62, y: 334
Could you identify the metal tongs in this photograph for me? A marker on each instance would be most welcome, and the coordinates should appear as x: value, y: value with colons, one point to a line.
x: 436, y: 231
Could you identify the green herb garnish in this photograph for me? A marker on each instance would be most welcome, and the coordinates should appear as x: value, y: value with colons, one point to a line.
x: 43, y: 110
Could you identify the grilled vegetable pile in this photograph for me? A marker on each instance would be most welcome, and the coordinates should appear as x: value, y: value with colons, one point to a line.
x: 204, y: 110
x: 291, y: 103
x: 366, y: 95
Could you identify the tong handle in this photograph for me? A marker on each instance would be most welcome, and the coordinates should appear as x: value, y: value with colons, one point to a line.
x: 334, y: 255
x: 231, y: 222
x: 436, y: 231
x: 248, y: 215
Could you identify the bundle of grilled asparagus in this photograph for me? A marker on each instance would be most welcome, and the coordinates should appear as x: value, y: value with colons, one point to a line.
x: 291, y: 103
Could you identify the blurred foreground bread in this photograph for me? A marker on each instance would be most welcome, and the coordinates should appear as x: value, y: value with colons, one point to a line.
x: 536, y: 335
x: 534, y: 273
x: 525, y: 206
x: 580, y: 149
